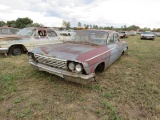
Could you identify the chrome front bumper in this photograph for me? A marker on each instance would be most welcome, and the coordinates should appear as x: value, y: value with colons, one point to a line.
x: 3, y: 50
x: 74, y: 77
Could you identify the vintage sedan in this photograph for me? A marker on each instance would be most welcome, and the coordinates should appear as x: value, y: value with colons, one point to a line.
x: 147, y: 36
x: 5, y: 30
x: 158, y: 34
x: 77, y: 60
x: 123, y: 34
x: 27, y: 39
x: 65, y: 35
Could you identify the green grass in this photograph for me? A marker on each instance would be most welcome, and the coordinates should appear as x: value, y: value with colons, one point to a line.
x: 128, y: 89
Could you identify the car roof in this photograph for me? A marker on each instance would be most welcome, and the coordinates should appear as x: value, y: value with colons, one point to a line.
x: 109, y: 31
x: 6, y: 27
x: 41, y: 28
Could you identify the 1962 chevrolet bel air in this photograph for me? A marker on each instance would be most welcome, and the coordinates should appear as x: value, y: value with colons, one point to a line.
x: 77, y: 60
x: 27, y: 39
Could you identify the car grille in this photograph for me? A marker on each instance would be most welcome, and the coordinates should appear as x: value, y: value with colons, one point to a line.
x: 52, y: 62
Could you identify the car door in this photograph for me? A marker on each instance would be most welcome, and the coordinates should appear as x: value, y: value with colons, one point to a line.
x: 119, y: 44
x: 41, y: 38
x: 52, y: 37
x: 113, y: 48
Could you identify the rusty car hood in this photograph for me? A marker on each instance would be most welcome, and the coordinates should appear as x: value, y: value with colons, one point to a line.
x: 66, y: 51
x: 11, y: 37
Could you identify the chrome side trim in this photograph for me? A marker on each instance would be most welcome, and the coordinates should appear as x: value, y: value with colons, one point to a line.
x: 4, y: 50
x: 99, y: 54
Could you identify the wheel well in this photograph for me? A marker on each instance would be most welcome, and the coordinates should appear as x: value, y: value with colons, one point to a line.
x: 100, y: 67
x: 18, y: 45
x: 124, y: 50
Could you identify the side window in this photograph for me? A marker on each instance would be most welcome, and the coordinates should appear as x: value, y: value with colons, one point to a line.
x: 13, y: 31
x: 111, y: 39
x: 116, y: 38
x: 42, y: 33
x: 51, y: 33
x: 5, y: 31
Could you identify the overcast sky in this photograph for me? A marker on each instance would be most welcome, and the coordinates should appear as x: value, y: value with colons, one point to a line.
x: 116, y: 13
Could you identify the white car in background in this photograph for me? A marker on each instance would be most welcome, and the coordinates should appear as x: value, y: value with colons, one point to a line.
x: 27, y: 39
x: 158, y: 34
x: 148, y: 35
x: 132, y: 33
x: 65, y: 34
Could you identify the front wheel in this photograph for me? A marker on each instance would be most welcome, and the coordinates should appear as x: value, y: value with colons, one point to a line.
x: 15, y: 51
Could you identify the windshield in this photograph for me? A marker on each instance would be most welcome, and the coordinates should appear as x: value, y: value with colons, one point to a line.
x: 26, y: 31
x: 121, y: 32
x: 147, y: 33
x: 90, y: 36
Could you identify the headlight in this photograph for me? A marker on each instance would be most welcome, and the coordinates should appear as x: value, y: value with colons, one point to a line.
x: 78, y: 68
x: 71, y: 66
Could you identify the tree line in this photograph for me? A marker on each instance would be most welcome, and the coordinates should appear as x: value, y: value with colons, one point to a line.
x: 20, y: 23
x: 27, y: 22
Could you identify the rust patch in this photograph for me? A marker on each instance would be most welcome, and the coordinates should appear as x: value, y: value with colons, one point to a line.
x: 11, y: 37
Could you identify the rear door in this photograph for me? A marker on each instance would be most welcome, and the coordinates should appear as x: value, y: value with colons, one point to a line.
x: 119, y: 44
x: 45, y: 37
x: 113, y: 48
x: 40, y: 38
x: 52, y: 37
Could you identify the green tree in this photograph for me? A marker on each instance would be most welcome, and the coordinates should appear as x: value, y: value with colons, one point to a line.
x: 2, y: 23
x: 11, y: 23
x: 23, y: 22
x: 35, y: 25
x: 90, y: 26
x: 133, y: 27
x: 95, y: 26
x: 101, y: 27
x: 158, y: 29
x: 79, y: 24
x: 86, y: 26
x: 66, y: 24
x: 145, y: 29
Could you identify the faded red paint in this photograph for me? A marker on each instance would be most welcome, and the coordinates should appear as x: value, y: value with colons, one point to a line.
x: 44, y: 49
x: 94, y: 57
x: 12, y: 37
x: 92, y: 53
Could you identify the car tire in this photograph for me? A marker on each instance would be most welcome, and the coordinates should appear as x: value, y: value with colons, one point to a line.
x: 16, y: 51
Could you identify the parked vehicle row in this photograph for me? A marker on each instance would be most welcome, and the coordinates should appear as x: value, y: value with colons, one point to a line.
x: 147, y: 35
x: 76, y: 59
